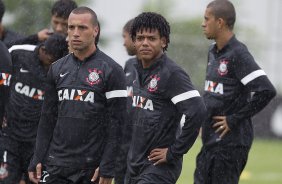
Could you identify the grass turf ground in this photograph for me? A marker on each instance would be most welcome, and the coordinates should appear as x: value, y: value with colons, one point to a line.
x: 264, y: 165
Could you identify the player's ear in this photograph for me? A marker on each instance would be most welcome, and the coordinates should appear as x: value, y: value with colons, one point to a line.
x: 163, y: 42
x: 96, y: 31
x: 220, y: 23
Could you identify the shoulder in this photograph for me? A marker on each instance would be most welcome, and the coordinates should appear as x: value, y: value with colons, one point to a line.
x: 239, y: 48
x: 171, y: 66
x: 62, y: 61
x: 130, y: 63
x: 5, y: 57
x: 108, y: 61
x: 3, y: 50
x: 61, y: 64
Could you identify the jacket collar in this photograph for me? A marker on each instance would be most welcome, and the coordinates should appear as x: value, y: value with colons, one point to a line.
x: 154, y: 65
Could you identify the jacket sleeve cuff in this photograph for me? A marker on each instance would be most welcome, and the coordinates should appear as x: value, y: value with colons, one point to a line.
x: 34, y: 161
x: 170, y: 157
x: 231, y: 121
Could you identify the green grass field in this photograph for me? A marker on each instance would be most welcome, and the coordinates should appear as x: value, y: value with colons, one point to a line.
x: 264, y: 164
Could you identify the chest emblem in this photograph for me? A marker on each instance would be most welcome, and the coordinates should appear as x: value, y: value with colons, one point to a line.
x: 222, y: 69
x: 94, y: 77
x: 153, y: 85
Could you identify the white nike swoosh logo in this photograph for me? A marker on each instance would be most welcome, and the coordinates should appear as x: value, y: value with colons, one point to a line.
x: 23, y: 70
x: 63, y: 74
x: 127, y: 74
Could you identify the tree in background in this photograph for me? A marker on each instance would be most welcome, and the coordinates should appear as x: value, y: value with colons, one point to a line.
x: 29, y: 16
x: 189, y: 49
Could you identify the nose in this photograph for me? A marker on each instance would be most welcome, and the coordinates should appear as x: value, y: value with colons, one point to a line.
x: 59, y: 28
x: 203, y: 24
x: 145, y: 41
x: 75, y: 32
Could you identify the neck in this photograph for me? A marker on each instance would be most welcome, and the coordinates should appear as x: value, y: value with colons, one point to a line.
x: 148, y: 63
x: 222, y: 40
x: 82, y: 54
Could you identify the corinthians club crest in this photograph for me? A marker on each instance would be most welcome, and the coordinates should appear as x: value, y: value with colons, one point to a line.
x: 222, y: 69
x: 93, y: 77
x: 153, y: 85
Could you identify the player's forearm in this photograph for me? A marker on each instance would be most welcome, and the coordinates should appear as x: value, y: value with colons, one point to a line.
x: 195, y: 116
x: 257, y: 103
x: 44, y: 135
x: 117, y: 112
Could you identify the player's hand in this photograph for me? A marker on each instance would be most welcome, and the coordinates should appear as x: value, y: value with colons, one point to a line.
x: 3, y: 171
x: 158, y: 155
x: 100, y: 180
x: 105, y: 180
x: 35, y: 176
x: 43, y: 34
x: 221, y: 125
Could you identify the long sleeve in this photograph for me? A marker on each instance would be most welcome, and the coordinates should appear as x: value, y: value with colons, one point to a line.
x: 263, y: 91
x: 255, y: 82
x: 47, y: 123
x: 5, y: 77
x: 189, y: 103
x: 31, y: 39
x: 116, y: 108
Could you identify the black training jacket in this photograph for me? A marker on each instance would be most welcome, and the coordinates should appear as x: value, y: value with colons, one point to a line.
x: 82, y: 114
x: 162, y: 93
x: 235, y: 87
x: 22, y: 40
x: 10, y: 37
x: 5, y: 77
x: 26, y: 93
x: 127, y: 128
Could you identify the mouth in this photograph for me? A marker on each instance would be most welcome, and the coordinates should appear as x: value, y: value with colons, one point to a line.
x: 75, y: 42
x: 145, y: 51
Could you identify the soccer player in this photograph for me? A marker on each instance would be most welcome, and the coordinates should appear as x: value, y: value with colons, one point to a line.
x: 129, y: 77
x: 127, y: 40
x: 83, y: 110
x: 30, y: 66
x: 59, y: 23
x: 236, y: 88
x: 5, y: 79
x: 162, y: 92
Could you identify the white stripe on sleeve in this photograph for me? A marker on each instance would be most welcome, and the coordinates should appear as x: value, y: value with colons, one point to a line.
x: 185, y: 96
x: 116, y: 93
x: 22, y: 47
x: 252, y: 76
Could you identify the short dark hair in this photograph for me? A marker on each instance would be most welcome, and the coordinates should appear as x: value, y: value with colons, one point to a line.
x: 63, y: 8
x: 151, y: 21
x: 2, y: 10
x: 56, y: 45
x: 224, y: 9
x: 127, y: 27
x: 84, y: 9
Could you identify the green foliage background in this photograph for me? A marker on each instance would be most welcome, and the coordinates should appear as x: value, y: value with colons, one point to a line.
x: 29, y: 16
x: 188, y: 46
